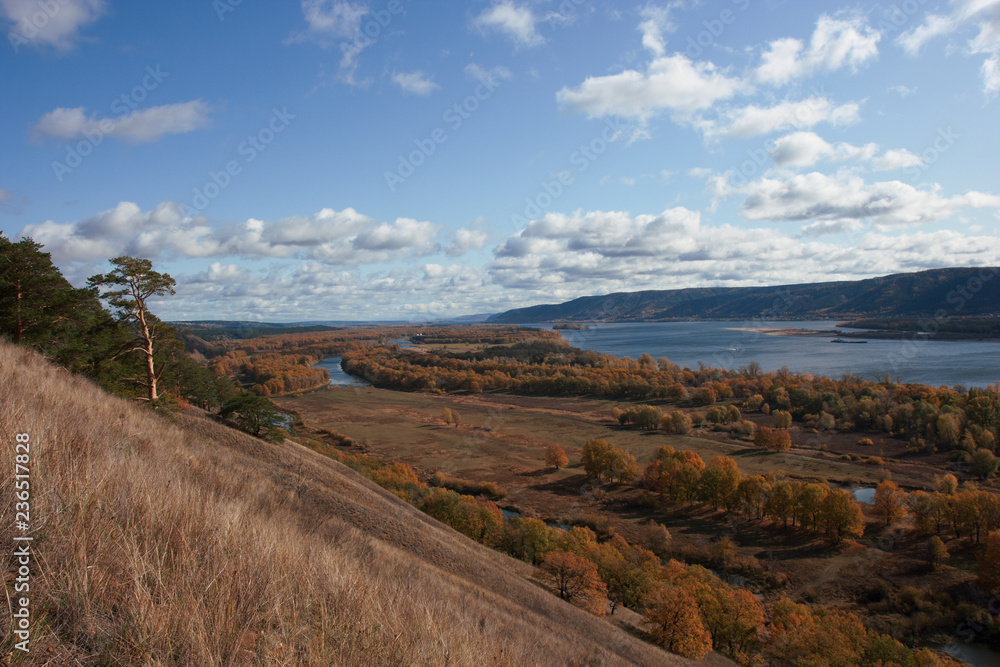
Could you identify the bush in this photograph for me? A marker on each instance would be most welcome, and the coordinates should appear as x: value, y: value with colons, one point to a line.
x: 468, y: 487
x: 865, y: 442
x: 773, y: 439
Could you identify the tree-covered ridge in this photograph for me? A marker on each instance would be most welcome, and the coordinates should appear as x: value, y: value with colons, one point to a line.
x: 935, y: 293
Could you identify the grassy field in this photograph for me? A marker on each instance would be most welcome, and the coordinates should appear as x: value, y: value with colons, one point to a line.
x: 190, y: 543
x: 503, y: 438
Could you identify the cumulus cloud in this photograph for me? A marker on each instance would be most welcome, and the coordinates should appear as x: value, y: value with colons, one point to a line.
x: 135, y: 127
x: 293, y: 290
x: 897, y: 159
x: 415, y: 83
x: 515, y: 22
x: 671, y: 83
x: 55, y: 24
x: 816, y: 197
x: 467, y: 239
x: 752, y: 120
x: 345, y: 237
x: 836, y: 43
x: 803, y: 149
x: 564, y: 256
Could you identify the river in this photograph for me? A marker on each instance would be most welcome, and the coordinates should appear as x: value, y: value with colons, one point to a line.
x: 338, y: 378
x: 726, y: 345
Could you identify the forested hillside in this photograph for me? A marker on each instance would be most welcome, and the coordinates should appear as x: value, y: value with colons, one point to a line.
x: 956, y: 292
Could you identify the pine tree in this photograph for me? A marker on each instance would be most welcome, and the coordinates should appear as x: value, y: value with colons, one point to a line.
x: 137, y: 283
x: 38, y: 306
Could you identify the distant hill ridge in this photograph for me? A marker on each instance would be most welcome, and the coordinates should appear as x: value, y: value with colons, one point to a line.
x: 933, y: 293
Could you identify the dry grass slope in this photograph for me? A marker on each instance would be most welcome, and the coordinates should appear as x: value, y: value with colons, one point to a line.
x: 193, y: 544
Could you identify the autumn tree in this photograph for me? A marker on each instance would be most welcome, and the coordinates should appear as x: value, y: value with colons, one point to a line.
x: 595, y: 457
x: 575, y: 579
x: 555, y: 456
x: 983, y: 463
x: 676, y: 622
x: 719, y: 481
x: 782, y: 419
x: 676, y: 422
x: 889, y: 502
x: 937, y: 553
x: 735, y: 619
x: 450, y: 416
x: 621, y: 466
x: 773, y: 439
x: 133, y: 283
x: 988, y: 565
x: 947, y: 484
x: 841, y: 515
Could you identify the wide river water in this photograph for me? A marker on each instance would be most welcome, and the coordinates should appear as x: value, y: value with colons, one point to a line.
x: 725, y: 345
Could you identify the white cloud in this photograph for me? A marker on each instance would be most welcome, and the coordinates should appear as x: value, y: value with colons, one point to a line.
x: 415, y: 83
x: 897, y: 159
x: 753, y: 120
x: 345, y: 237
x: 491, y: 76
x: 54, y: 24
x: 328, y: 19
x: 836, y: 43
x: 517, y: 23
x: 991, y: 76
x: 467, y: 239
x: 983, y: 15
x: 802, y: 149
x: 671, y: 83
x: 136, y: 127
x: 903, y: 91
x: 564, y: 256
x: 656, y: 21
x: 934, y: 25
x: 816, y: 197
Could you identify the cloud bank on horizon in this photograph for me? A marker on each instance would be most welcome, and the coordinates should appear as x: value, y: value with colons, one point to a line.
x: 387, y: 160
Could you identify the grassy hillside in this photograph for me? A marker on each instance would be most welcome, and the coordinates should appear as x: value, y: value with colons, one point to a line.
x: 958, y: 291
x: 193, y: 544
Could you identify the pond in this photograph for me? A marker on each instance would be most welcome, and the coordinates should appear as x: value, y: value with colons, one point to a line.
x: 864, y: 494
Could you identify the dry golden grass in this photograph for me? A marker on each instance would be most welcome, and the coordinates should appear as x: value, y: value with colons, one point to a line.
x: 192, y: 544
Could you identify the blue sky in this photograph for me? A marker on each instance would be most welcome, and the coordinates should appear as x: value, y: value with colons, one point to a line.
x: 413, y: 160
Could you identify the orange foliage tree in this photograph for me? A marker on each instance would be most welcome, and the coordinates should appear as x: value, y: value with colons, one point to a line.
x: 575, y: 579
